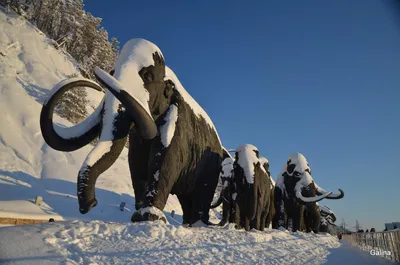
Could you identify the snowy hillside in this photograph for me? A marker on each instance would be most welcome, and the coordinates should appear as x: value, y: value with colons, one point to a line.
x: 29, y: 68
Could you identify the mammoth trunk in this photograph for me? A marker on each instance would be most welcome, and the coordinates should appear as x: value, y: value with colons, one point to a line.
x: 108, y: 152
x: 115, y: 128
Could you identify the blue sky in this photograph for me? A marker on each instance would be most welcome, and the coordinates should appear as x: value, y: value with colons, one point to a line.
x: 317, y: 77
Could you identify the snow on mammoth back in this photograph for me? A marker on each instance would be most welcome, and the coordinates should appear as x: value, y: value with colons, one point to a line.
x: 197, y: 109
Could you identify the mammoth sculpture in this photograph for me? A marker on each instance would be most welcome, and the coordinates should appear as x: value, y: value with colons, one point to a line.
x: 327, y: 218
x: 246, y: 197
x: 224, y: 194
x: 271, y: 212
x: 173, y: 145
x: 296, y: 193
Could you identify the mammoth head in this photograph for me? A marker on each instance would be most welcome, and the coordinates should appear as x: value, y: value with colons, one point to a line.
x: 138, y: 81
x: 265, y: 164
x: 247, y: 157
x: 297, y: 172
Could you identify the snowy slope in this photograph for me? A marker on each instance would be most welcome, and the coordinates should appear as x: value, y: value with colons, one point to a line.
x: 29, y: 68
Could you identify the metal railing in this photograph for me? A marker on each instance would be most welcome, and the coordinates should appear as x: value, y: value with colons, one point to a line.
x: 385, y: 244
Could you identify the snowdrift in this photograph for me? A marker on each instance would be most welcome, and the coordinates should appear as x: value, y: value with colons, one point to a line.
x: 98, y: 242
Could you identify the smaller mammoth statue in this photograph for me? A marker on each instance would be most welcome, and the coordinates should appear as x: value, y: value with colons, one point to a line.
x: 246, y: 197
x: 296, y: 195
x: 327, y: 218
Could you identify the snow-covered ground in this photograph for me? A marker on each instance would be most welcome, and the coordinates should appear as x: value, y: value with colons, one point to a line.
x: 29, y: 68
x: 98, y: 242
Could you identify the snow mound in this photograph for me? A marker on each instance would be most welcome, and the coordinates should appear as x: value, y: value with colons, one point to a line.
x: 98, y: 242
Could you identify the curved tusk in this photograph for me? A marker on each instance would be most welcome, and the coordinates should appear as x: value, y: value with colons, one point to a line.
x: 311, y: 199
x: 73, y: 138
x: 138, y: 111
x: 334, y: 196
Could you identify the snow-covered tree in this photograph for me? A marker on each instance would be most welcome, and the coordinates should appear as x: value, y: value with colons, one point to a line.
x: 72, y: 106
x: 79, y: 32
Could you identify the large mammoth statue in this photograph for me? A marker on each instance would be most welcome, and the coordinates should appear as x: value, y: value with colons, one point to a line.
x: 271, y: 212
x: 297, y: 193
x: 174, y: 147
x: 246, y: 197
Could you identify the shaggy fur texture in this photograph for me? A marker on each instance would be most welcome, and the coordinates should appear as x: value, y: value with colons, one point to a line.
x: 188, y: 167
x: 247, y: 204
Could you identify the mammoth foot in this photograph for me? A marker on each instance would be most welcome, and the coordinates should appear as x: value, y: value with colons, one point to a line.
x: 148, y: 214
x: 85, y: 206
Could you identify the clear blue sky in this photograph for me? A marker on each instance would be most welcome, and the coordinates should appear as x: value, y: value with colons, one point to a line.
x: 317, y: 77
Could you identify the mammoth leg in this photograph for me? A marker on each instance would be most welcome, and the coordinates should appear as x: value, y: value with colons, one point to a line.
x: 263, y: 220
x: 163, y: 172
x: 138, y: 156
x: 186, y: 204
x: 205, y: 187
x: 235, y: 216
x: 104, y: 154
x: 246, y: 222
x: 255, y: 222
x: 265, y: 212
x: 297, y: 218
x: 226, y: 207
x: 271, y: 211
x: 279, y: 218
x: 315, y: 216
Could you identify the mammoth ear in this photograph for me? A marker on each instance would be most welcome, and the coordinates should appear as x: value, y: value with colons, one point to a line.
x: 290, y: 168
x: 169, y: 88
